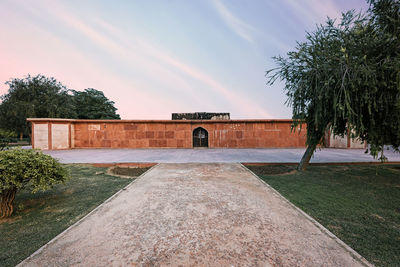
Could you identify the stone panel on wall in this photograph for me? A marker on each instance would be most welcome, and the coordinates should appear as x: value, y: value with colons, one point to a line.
x: 338, y: 141
x: 41, y: 136
x: 60, y: 136
x: 345, y: 142
x: 356, y: 143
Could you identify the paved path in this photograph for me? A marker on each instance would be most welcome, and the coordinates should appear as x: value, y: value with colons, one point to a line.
x: 212, y: 155
x: 196, y: 215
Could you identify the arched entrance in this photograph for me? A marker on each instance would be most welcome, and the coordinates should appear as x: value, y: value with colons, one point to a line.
x: 200, y: 137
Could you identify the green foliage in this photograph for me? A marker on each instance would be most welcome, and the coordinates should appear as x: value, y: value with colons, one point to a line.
x: 92, y: 104
x: 346, y: 77
x: 384, y: 59
x: 40, y: 217
x: 34, y: 97
x: 5, y: 138
x: 42, y: 97
x: 22, y: 167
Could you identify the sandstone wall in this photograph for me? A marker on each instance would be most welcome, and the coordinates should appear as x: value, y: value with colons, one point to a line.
x: 179, y: 135
x: 172, y: 134
x: 344, y: 142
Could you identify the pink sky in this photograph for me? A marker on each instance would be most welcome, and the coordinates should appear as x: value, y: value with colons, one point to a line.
x: 155, y: 59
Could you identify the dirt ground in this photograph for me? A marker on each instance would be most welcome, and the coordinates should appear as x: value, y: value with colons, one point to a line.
x: 196, y: 215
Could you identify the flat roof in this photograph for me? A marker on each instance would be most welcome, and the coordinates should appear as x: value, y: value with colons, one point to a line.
x: 156, y: 121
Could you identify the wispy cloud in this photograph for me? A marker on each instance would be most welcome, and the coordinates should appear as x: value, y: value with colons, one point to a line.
x: 244, y: 30
x: 239, y: 100
x: 313, y: 11
x: 243, y: 102
x: 138, y: 52
x: 238, y: 26
x: 154, y: 58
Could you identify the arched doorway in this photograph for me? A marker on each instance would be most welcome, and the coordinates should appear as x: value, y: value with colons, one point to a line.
x: 200, y: 137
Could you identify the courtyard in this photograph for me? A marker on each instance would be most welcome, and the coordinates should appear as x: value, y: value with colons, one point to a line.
x: 270, y: 155
x: 195, y: 212
x: 196, y: 215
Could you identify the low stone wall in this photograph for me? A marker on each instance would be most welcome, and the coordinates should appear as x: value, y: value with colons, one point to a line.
x: 343, y: 142
x: 163, y: 133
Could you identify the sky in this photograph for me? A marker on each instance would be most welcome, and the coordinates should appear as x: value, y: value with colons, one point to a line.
x: 153, y: 57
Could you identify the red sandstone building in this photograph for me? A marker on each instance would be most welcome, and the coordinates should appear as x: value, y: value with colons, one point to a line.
x: 186, y: 130
x: 213, y: 132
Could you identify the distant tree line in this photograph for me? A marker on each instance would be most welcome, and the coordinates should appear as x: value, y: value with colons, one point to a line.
x: 43, y: 97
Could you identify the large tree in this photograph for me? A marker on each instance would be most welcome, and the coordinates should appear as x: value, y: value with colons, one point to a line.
x: 346, y: 78
x: 92, y: 104
x: 43, y: 97
x: 34, y: 97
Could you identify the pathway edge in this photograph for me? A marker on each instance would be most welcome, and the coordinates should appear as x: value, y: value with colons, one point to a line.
x: 84, y: 217
x: 352, y: 252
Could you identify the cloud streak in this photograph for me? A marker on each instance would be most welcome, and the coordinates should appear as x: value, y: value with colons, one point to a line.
x: 242, y: 102
x: 244, y: 30
x: 314, y: 11
x: 238, y: 26
x: 236, y: 99
x: 154, y: 58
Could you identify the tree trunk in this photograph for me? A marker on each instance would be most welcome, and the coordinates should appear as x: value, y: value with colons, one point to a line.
x: 7, y: 202
x: 305, y: 160
x: 21, y: 136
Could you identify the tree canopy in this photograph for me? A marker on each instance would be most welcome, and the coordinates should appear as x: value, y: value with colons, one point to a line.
x: 35, y: 97
x: 92, y: 104
x: 346, y: 78
x: 20, y: 168
x: 43, y: 97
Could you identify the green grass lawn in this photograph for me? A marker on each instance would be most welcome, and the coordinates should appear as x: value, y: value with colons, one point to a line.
x: 40, y: 217
x: 360, y: 204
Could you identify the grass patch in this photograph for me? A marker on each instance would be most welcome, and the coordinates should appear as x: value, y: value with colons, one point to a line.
x: 40, y: 217
x: 360, y: 204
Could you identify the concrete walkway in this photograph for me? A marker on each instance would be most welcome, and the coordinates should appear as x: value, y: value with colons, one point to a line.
x: 196, y: 215
x: 212, y: 155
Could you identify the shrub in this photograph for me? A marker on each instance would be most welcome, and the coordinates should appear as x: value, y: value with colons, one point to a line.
x: 5, y: 138
x: 20, y: 168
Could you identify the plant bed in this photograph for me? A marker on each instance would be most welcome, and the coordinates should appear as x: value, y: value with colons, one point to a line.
x: 127, y: 171
x: 40, y: 217
x: 358, y: 203
x: 270, y: 169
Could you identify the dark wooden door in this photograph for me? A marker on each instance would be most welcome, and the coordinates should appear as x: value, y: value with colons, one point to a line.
x: 200, y: 137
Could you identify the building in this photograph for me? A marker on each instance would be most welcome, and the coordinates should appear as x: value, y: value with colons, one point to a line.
x: 218, y: 131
